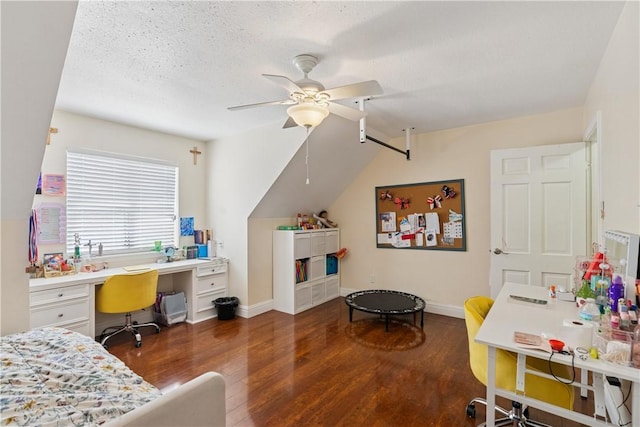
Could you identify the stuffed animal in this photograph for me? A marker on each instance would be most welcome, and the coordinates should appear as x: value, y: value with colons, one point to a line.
x: 323, y: 219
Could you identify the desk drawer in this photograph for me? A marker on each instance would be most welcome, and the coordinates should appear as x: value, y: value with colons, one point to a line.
x: 207, y: 270
x: 65, y: 293
x: 61, y: 314
x: 205, y: 301
x: 215, y: 282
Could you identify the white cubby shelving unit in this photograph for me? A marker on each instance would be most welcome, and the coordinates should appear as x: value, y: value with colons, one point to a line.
x: 306, y: 270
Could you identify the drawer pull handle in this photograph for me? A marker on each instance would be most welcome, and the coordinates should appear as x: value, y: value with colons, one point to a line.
x: 213, y: 283
x: 60, y: 315
x: 60, y: 295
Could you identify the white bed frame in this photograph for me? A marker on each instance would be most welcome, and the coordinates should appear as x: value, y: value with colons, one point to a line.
x: 199, y: 402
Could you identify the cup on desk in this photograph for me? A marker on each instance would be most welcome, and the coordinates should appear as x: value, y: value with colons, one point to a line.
x: 157, y: 245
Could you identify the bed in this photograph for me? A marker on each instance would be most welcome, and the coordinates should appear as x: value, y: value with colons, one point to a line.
x: 57, y: 377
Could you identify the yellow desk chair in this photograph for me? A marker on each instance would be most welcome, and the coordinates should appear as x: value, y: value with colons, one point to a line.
x: 124, y: 293
x: 544, y: 389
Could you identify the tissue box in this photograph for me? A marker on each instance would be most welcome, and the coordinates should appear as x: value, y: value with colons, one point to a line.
x: 565, y: 296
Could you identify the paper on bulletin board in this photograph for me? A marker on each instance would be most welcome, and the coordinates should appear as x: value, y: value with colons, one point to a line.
x: 388, y: 220
x: 432, y: 222
x: 385, y: 238
x: 453, y: 230
x: 405, y: 226
x: 431, y: 238
x: 399, y: 242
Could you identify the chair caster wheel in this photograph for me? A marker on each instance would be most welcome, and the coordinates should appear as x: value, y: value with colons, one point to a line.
x: 471, y: 411
x: 157, y: 330
x: 138, y: 344
x: 106, y: 347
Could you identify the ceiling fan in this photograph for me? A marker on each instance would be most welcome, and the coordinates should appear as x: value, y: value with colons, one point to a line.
x: 310, y: 103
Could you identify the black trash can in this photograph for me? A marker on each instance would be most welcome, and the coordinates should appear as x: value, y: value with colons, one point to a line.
x: 226, y: 307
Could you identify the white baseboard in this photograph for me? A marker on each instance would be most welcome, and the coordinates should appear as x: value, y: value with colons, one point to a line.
x: 430, y: 307
x: 265, y: 306
x: 445, y: 310
x: 254, y: 310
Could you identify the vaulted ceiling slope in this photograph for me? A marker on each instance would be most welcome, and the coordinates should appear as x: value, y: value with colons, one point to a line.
x: 176, y: 66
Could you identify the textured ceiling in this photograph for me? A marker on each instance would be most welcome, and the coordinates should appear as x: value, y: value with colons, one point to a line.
x: 176, y: 66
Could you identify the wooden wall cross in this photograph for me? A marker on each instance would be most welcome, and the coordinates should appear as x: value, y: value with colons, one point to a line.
x: 51, y: 130
x: 195, y: 153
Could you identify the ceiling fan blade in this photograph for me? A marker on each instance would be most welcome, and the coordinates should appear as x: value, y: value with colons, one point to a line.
x: 346, y: 112
x: 260, y: 104
x: 285, y: 82
x: 355, y: 90
x: 290, y: 123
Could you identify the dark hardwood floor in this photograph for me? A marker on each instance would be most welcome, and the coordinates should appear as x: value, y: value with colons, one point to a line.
x: 317, y: 369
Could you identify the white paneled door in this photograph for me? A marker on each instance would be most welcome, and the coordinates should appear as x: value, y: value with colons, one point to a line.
x: 538, y: 214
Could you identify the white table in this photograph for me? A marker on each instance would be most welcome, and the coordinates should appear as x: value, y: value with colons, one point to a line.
x: 508, y: 316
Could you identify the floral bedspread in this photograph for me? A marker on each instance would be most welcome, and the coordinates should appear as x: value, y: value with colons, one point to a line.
x: 57, y: 377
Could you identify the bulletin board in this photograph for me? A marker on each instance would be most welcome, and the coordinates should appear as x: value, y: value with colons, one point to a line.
x: 426, y: 215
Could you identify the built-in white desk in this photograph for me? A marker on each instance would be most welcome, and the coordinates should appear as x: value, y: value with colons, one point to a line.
x: 508, y: 316
x: 69, y: 301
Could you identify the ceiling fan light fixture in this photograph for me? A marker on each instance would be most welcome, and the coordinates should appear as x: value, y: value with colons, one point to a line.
x: 307, y: 114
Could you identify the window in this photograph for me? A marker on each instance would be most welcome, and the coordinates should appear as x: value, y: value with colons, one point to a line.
x: 126, y: 203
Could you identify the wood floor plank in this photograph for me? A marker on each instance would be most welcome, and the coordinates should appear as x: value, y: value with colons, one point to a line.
x: 319, y: 369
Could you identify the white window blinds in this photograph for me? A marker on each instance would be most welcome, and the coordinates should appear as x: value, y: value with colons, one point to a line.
x: 125, y: 203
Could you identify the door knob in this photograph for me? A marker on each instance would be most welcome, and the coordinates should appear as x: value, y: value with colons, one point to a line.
x: 498, y: 251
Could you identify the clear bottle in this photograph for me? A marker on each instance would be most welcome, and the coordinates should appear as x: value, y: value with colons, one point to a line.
x: 590, y: 311
x: 635, y: 347
x: 602, y: 295
x: 605, y: 319
x: 624, y: 316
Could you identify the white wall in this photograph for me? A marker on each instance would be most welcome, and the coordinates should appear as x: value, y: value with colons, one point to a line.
x: 444, y: 278
x: 261, y: 260
x: 35, y: 37
x: 90, y: 133
x: 241, y: 170
x: 615, y: 92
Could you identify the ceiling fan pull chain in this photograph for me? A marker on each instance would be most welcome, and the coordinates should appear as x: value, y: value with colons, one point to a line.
x: 306, y: 159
